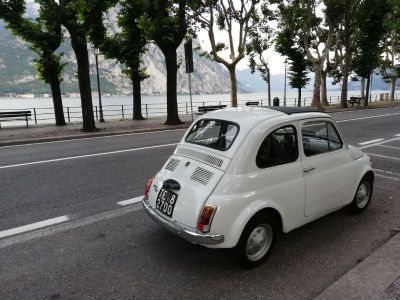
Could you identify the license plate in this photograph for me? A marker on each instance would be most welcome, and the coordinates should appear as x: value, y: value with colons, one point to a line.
x: 166, y: 202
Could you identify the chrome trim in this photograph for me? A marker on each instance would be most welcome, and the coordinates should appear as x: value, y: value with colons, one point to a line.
x: 194, y: 237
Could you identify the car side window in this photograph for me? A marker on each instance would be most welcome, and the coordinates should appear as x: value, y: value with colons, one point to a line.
x: 320, y: 137
x: 278, y: 148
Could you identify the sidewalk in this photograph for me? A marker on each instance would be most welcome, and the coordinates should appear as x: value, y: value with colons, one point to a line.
x: 47, y: 133
x: 376, y: 277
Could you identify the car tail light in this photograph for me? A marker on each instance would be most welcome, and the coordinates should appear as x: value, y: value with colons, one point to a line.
x: 148, y: 186
x: 205, y: 219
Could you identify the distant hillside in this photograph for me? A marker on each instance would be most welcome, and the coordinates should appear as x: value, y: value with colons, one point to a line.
x: 254, y: 83
x: 18, y: 75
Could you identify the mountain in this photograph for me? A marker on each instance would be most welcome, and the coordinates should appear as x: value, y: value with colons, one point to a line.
x: 18, y: 75
x: 253, y: 83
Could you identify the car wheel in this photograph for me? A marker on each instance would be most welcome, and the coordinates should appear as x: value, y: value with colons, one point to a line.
x: 257, y: 240
x: 363, y: 195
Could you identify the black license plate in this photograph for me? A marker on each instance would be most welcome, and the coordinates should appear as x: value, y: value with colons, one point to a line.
x: 166, y: 202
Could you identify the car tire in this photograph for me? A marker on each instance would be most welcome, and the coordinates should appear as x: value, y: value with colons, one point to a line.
x: 363, y: 195
x: 257, y: 240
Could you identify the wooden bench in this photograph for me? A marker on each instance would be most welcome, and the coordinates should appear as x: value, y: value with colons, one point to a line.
x: 355, y: 100
x: 252, y: 103
x: 16, y: 115
x: 203, y: 109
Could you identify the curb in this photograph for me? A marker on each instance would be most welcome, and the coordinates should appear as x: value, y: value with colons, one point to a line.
x: 370, y: 278
x: 358, y: 109
x: 89, y: 135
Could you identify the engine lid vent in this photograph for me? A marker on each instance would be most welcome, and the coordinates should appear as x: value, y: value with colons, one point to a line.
x: 210, y: 159
x: 201, y: 175
x: 172, y: 164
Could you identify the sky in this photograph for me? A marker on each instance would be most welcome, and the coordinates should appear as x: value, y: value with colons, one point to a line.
x: 276, y: 61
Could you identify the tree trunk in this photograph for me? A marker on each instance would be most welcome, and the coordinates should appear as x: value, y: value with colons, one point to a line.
x: 57, y: 100
x: 137, y: 97
x: 366, y: 96
x: 324, y: 94
x: 232, y: 74
x: 393, y: 81
x: 362, y: 84
x: 79, y: 45
x: 269, y: 88
x: 343, y: 95
x: 172, y: 102
x: 299, y: 97
x: 316, y: 101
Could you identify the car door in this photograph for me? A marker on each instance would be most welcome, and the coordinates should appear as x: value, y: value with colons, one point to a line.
x: 328, y: 167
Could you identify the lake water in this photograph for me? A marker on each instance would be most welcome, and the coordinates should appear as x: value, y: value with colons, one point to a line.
x: 118, y: 107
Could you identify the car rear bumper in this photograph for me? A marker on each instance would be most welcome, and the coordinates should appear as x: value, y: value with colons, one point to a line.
x: 194, y: 237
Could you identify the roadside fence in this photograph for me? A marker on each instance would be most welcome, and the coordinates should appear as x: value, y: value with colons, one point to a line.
x: 45, y: 115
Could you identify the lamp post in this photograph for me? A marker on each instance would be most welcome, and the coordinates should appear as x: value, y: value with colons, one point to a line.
x: 284, y: 88
x: 96, y: 52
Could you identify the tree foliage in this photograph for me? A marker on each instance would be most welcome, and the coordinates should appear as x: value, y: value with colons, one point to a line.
x: 237, y: 20
x: 127, y: 46
x: 289, y: 44
x: 390, y: 67
x: 45, y: 36
x: 164, y: 22
x: 368, y: 38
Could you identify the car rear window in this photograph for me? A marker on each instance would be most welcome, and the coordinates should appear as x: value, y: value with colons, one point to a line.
x: 215, y: 134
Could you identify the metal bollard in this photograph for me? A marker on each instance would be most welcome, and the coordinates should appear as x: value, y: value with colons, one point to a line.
x: 147, y: 112
x: 123, y: 115
x: 96, y: 114
x: 186, y: 108
x: 69, y: 119
x: 34, y: 113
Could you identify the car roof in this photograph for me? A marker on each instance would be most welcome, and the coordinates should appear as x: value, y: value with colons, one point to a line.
x: 252, y: 115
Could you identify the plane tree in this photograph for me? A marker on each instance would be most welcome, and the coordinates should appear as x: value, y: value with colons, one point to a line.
x: 235, y: 20
x: 45, y: 36
x: 126, y: 45
x: 164, y: 22
x: 390, y: 68
x: 368, y: 39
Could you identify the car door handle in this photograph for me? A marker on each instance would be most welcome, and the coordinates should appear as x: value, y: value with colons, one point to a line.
x: 308, y: 170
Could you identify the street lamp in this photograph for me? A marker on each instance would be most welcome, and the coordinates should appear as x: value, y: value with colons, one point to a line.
x: 96, y: 52
x: 284, y: 88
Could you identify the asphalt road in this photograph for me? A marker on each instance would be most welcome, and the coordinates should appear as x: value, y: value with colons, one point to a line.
x: 100, y: 249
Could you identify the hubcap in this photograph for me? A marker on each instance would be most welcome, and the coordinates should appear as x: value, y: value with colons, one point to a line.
x: 363, y: 193
x: 259, y: 242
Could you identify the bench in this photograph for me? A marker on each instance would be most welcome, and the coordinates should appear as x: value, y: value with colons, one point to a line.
x: 203, y: 109
x: 16, y: 115
x: 252, y: 103
x: 355, y: 100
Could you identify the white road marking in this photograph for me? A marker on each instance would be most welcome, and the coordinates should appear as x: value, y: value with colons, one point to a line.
x: 379, y: 143
x: 370, y: 142
x: 58, y: 228
x: 383, y: 156
x: 369, y: 117
x: 92, y: 138
x: 387, y: 172
x: 388, y: 177
x: 391, y: 147
x: 130, y: 201
x: 397, y: 134
x: 86, y: 156
x: 33, y: 226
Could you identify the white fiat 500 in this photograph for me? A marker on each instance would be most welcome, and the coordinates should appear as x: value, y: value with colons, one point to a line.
x: 241, y: 176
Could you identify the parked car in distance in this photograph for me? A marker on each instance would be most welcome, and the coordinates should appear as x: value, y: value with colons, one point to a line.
x: 241, y: 176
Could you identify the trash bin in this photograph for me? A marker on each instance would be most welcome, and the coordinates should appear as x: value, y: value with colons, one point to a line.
x: 276, y: 101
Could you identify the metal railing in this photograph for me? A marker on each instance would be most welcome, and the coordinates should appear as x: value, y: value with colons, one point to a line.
x: 45, y: 115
